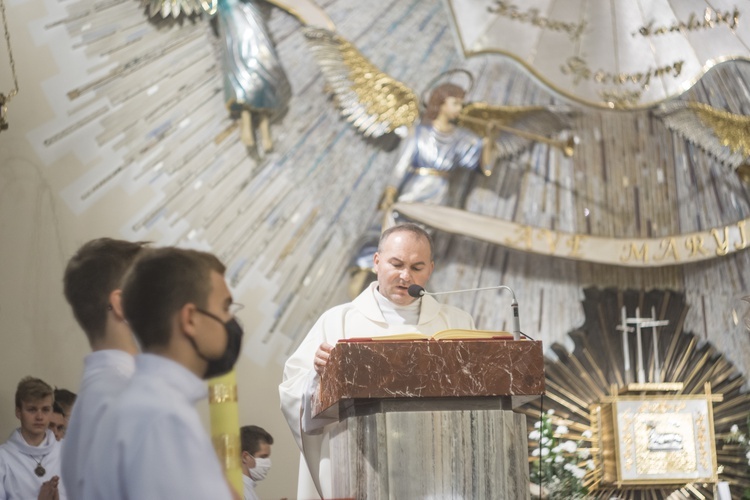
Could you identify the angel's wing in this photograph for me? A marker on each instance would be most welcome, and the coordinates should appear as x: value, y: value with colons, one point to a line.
x: 371, y: 100
x: 514, y: 128
x: 173, y: 8
x: 723, y: 135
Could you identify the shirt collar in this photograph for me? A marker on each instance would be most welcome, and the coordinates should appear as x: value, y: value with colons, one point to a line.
x: 111, y: 359
x: 20, y: 443
x: 171, y: 373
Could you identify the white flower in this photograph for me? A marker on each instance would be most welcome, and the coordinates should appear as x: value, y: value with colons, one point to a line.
x: 576, y: 471
x: 562, y: 429
x: 552, y: 412
x: 545, y: 452
x: 559, y: 459
x: 556, y: 450
x: 545, y: 440
x: 548, y: 460
x: 741, y: 439
x: 534, y: 435
x: 734, y: 429
x: 747, y: 454
x: 590, y: 465
x: 587, y: 434
x: 535, y: 452
x: 584, y: 453
x: 537, y: 425
x: 569, y: 446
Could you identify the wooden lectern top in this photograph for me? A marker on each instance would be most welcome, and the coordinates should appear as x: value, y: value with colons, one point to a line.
x: 375, y: 370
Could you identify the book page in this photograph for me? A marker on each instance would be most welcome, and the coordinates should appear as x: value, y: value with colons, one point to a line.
x: 451, y: 334
x: 457, y: 334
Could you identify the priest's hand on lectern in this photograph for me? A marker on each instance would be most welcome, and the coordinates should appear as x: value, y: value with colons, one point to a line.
x: 321, y: 357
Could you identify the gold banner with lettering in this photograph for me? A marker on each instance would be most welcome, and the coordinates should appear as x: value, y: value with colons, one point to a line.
x: 631, y: 252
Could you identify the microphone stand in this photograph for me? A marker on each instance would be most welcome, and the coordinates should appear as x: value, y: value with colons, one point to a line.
x: 514, y: 304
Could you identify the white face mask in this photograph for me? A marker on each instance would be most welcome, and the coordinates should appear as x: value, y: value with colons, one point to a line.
x: 262, y: 466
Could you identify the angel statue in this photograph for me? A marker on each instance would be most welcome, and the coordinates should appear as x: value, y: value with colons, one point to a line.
x: 254, y: 80
x: 448, y: 137
x: 433, y: 149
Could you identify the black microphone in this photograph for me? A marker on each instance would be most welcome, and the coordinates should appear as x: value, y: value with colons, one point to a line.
x: 418, y: 291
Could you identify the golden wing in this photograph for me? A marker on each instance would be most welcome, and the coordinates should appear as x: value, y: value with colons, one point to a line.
x: 514, y: 128
x: 723, y: 135
x: 374, y: 102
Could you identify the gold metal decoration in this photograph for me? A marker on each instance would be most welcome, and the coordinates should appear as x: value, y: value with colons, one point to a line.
x: 637, y: 449
x: 533, y: 123
x: 371, y: 100
x: 613, y: 54
x: 659, y: 439
x: 723, y: 135
x: 5, y: 98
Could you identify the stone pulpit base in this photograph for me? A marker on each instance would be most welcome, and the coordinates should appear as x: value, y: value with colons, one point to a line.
x: 398, y: 449
x: 430, y: 419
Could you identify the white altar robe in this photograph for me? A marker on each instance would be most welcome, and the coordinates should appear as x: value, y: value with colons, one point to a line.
x: 18, y: 460
x: 360, y: 318
x: 151, y: 443
x: 105, y: 375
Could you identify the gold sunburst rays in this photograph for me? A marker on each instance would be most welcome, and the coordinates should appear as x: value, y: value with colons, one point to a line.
x: 577, y: 380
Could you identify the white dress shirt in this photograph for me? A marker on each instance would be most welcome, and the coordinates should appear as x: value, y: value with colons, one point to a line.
x: 18, y: 459
x: 105, y: 375
x: 150, y: 444
x: 249, y: 487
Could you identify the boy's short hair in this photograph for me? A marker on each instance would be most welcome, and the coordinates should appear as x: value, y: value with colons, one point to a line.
x: 92, y: 274
x: 251, y: 436
x: 32, y: 389
x: 159, y: 284
x: 66, y: 399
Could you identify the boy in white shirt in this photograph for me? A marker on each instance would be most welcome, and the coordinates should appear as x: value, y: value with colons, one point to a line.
x: 92, y: 282
x: 30, y: 459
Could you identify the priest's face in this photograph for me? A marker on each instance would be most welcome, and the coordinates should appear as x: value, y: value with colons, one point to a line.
x: 404, y: 260
x: 34, y: 416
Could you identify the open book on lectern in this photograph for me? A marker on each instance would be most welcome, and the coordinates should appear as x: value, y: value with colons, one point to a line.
x: 451, y: 334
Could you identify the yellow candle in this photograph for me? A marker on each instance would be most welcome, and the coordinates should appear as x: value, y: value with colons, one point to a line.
x: 225, y: 426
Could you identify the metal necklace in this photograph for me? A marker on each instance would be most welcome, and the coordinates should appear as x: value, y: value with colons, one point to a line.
x: 5, y: 99
x: 39, y: 470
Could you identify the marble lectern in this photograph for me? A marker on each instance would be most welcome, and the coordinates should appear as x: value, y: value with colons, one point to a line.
x: 430, y: 419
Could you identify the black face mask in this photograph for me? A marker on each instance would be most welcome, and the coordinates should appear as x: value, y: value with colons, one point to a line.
x: 224, y: 363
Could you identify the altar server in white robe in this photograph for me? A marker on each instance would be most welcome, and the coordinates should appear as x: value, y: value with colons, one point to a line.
x: 92, y: 285
x: 150, y: 443
x: 30, y: 459
x: 404, y: 258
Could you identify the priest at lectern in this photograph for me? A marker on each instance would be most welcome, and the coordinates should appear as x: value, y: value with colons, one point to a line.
x: 404, y: 258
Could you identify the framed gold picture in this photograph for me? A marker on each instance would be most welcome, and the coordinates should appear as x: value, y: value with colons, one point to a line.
x: 664, y: 439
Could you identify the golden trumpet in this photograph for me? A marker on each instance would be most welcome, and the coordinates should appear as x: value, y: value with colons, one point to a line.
x: 567, y: 146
